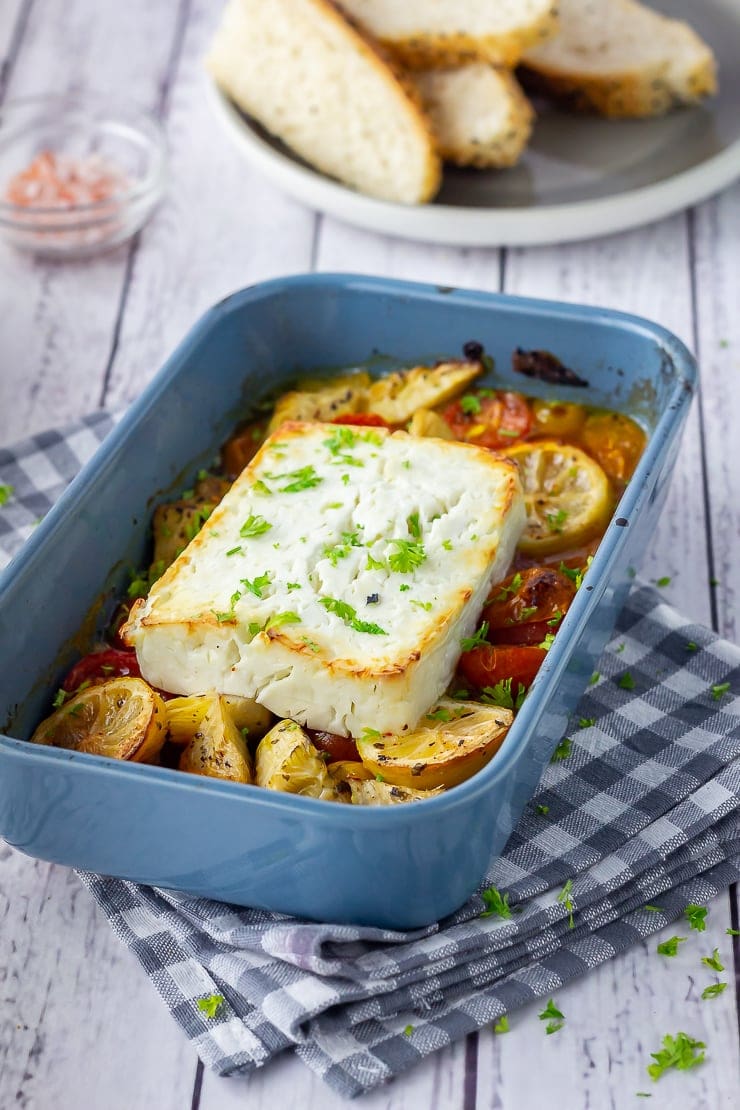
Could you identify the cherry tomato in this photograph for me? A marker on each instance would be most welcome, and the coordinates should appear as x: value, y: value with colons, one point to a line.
x: 242, y: 447
x: 494, y: 421
x: 488, y: 664
x: 99, y: 666
x: 336, y: 747
x: 362, y: 420
x: 520, y: 608
x: 615, y: 441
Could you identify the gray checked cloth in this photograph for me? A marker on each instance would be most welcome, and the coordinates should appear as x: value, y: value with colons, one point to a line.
x: 644, y: 810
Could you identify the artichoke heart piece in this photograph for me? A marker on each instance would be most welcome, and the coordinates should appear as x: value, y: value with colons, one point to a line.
x: 176, y: 523
x: 123, y: 718
x: 215, y: 748
x: 374, y: 793
x: 427, y: 424
x: 397, y: 396
x: 451, y: 743
x: 322, y: 399
x: 287, y: 760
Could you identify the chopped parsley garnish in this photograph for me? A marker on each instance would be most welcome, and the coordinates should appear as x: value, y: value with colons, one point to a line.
x: 211, y: 1005
x: 279, y: 619
x: 335, y: 505
x: 566, y: 900
x: 720, y: 689
x: 652, y: 909
x: 556, y: 521
x: 75, y: 710
x: 696, y: 916
x: 527, y: 612
x: 507, y: 591
x: 681, y: 1052
x: 258, y: 584
x: 576, y: 576
x: 713, y: 991
x: 345, y: 479
x: 670, y: 947
x: 555, y: 618
x: 196, y: 522
x: 626, y: 682
x: 426, y: 605
x: 469, y: 642
x: 223, y: 617
x: 234, y: 551
x: 553, y: 1016
x: 304, y: 478
x: 142, y: 581
x: 664, y: 581
x: 470, y: 404
x: 348, y: 614
x: 414, y: 525
x: 512, y: 433
x: 691, y: 646
x: 620, y: 649
x: 586, y: 722
x: 374, y: 564
x: 254, y: 628
x: 713, y: 961
x: 502, y: 1025
x: 594, y: 678
x: 440, y: 714
x: 369, y: 734
x: 543, y: 810
x: 408, y: 1030
x: 59, y: 698
x: 404, y: 588
x: 447, y: 545
x: 502, y: 694
x: 496, y: 903
x: 254, y: 526
x: 260, y: 487
x: 733, y: 932
x: 407, y: 556
x: 293, y: 586
x: 6, y: 492
x: 562, y: 751
x: 310, y: 644
x: 342, y: 550
x: 548, y: 641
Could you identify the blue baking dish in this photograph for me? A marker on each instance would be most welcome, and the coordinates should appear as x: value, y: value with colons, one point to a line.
x: 400, y: 866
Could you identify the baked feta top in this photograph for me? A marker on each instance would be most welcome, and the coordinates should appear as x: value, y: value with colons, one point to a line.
x: 337, y: 577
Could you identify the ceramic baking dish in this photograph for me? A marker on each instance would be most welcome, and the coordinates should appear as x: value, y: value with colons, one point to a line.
x: 399, y: 866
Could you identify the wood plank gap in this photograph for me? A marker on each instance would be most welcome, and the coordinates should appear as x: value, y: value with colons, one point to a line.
x: 502, y: 260
x: 316, y: 241
x: 16, y: 41
x: 711, y: 563
x: 197, y: 1086
x: 470, y: 1082
x: 160, y: 111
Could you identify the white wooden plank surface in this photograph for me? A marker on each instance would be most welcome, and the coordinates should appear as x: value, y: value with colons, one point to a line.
x: 79, y: 1024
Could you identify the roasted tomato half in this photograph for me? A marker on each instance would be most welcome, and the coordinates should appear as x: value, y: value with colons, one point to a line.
x: 490, y: 664
x: 99, y: 666
x: 495, y: 420
x: 527, y: 605
x: 336, y: 747
x: 362, y: 420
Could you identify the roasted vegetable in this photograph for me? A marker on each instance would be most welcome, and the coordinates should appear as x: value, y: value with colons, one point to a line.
x: 426, y: 423
x: 453, y: 741
x: 241, y: 448
x: 215, y: 746
x: 372, y: 792
x: 176, y: 523
x: 122, y: 718
x: 287, y: 760
x: 322, y: 399
x: 396, y: 397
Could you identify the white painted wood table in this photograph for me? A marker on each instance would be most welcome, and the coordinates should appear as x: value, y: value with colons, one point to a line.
x: 80, y: 1026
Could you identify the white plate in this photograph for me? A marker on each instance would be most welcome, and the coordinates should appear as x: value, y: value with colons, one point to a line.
x: 579, y: 178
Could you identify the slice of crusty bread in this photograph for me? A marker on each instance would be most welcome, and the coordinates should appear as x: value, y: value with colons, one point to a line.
x: 427, y: 34
x: 620, y: 58
x: 479, y: 114
x: 314, y: 81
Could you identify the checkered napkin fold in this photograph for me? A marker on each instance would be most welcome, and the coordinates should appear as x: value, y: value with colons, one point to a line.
x: 644, y: 810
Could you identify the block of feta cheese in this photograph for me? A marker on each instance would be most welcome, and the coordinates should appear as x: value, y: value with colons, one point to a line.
x: 337, y: 577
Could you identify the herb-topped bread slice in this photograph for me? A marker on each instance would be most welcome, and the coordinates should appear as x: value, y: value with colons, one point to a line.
x: 336, y: 579
x: 310, y: 78
x: 620, y: 58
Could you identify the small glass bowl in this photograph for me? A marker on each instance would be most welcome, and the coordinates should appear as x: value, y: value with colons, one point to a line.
x: 80, y: 127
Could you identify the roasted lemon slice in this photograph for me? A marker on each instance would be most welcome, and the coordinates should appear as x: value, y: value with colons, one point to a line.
x: 287, y: 760
x: 216, y: 747
x: 122, y: 718
x: 453, y: 741
x: 370, y: 792
x: 567, y: 494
